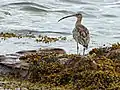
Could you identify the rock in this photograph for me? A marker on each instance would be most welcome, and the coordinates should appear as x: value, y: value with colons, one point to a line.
x: 42, y: 51
x: 26, y: 51
x: 2, y: 57
x: 11, y: 63
x: 52, y: 50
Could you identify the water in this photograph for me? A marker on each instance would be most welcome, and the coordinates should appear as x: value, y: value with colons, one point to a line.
x: 101, y: 17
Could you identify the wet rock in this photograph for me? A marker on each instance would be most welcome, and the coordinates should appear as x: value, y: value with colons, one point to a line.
x: 14, y: 63
x: 52, y: 50
x: 26, y: 51
x: 41, y: 51
x: 14, y: 69
x: 4, y: 69
x: 2, y: 57
x: 10, y: 60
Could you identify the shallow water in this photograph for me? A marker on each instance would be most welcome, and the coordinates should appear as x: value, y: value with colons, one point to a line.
x: 101, y: 17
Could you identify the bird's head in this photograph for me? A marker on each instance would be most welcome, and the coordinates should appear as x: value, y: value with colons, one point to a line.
x: 78, y: 15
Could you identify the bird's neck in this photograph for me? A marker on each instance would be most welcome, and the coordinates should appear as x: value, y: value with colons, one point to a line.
x: 78, y: 22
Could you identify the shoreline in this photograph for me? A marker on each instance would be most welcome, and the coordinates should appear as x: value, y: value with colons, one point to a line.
x: 56, y: 69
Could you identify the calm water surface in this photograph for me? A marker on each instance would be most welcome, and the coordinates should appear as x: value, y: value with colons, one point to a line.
x: 101, y: 17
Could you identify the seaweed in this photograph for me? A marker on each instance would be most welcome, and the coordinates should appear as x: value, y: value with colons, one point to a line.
x: 39, y: 38
x: 94, y: 71
x: 98, y: 70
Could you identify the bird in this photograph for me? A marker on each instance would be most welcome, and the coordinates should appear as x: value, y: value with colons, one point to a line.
x: 80, y: 32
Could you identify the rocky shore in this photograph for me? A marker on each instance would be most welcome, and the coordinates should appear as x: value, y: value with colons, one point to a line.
x: 54, y: 69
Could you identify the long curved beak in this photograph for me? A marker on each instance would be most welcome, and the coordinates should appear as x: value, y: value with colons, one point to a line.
x: 66, y: 17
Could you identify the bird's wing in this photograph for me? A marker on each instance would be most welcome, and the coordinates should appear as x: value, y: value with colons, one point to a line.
x: 83, y: 31
x: 83, y: 35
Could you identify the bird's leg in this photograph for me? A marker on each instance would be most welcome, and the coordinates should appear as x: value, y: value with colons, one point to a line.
x: 84, y: 51
x: 77, y: 49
